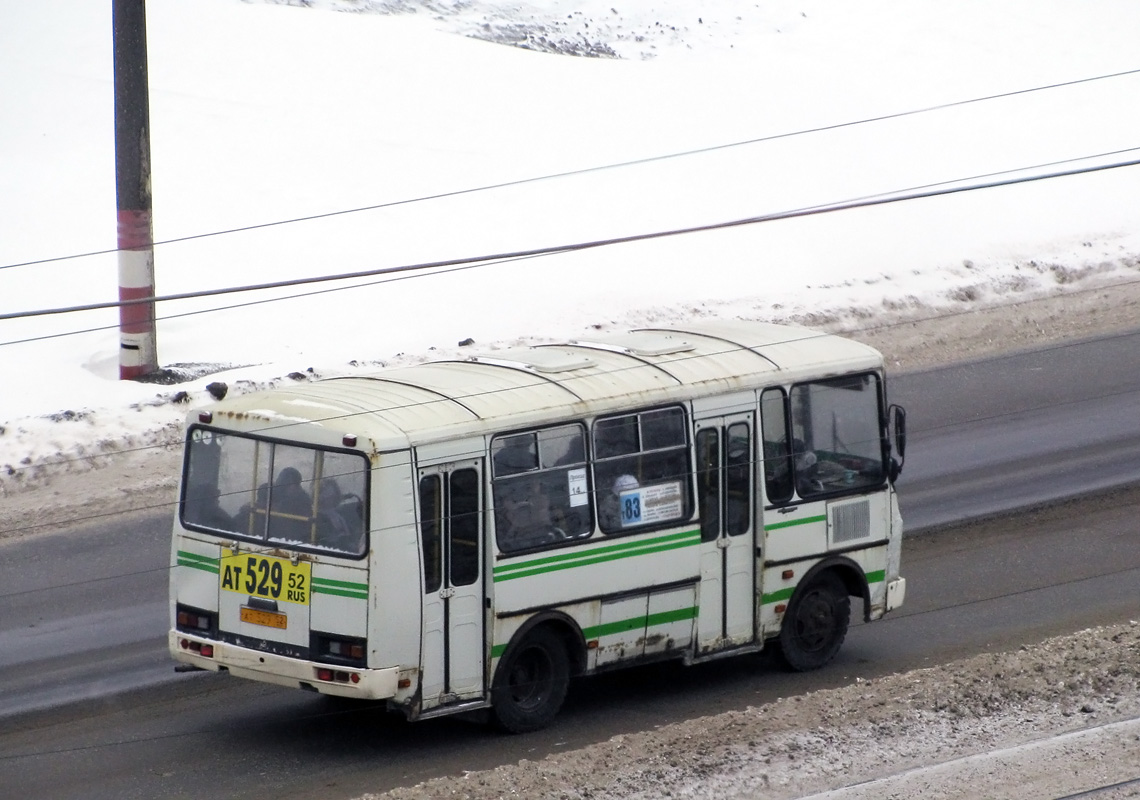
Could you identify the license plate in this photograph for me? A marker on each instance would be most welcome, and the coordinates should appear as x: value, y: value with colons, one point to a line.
x: 269, y: 619
x: 266, y: 577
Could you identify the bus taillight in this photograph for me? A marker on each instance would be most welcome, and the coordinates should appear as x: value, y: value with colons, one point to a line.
x: 342, y: 650
x: 188, y: 620
x: 201, y: 649
x: 194, y: 620
x: 353, y: 650
x: 337, y: 676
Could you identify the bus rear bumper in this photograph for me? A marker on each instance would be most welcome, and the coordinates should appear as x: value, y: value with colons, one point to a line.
x: 896, y: 593
x: 365, y: 684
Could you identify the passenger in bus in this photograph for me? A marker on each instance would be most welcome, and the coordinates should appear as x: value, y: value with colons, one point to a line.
x: 807, y: 469
x: 333, y: 529
x: 575, y: 452
x: 777, y: 474
x: 609, y: 508
x: 291, y: 507
x: 526, y: 514
x: 516, y: 455
x: 251, y: 517
x: 203, y: 507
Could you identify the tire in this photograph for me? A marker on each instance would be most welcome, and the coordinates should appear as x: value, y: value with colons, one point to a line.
x: 815, y: 624
x: 530, y: 683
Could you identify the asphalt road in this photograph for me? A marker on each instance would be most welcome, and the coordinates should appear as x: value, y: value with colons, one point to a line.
x: 1012, y: 431
x: 985, y: 437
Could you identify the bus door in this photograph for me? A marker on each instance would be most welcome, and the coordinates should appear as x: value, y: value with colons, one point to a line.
x: 451, y: 532
x: 725, y: 493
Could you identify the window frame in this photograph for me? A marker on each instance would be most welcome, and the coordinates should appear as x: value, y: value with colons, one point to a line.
x: 789, y: 457
x: 684, y: 477
x: 265, y: 539
x: 782, y: 459
x: 502, y: 481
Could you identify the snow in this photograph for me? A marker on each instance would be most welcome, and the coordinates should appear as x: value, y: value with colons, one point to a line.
x: 263, y: 113
x: 1041, y: 722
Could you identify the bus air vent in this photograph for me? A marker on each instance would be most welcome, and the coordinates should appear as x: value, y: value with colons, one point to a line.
x: 645, y: 344
x: 537, y: 359
x: 849, y: 522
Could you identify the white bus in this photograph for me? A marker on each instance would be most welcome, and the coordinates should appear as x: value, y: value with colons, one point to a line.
x: 470, y: 534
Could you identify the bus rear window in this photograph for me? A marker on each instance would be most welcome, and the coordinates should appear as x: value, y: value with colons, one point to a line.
x: 285, y: 494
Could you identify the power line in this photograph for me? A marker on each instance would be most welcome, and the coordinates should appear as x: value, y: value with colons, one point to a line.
x: 588, y: 170
x: 916, y: 193
x: 283, y: 298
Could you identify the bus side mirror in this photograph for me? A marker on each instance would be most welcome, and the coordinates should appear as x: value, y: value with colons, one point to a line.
x: 897, y: 416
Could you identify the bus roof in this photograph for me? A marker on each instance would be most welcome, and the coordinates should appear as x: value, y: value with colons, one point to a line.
x: 506, y: 389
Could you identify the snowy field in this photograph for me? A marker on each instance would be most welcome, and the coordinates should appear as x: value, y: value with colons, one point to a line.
x: 1043, y: 722
x: 338, y: 136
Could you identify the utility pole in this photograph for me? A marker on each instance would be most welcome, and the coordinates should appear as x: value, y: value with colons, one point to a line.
x: 138, y: 347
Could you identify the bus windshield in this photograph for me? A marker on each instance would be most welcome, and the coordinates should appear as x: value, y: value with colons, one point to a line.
x: 282, y: 494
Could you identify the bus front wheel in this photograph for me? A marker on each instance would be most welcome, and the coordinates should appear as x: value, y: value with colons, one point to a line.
x: 530, y: 683
x: 815, y: 624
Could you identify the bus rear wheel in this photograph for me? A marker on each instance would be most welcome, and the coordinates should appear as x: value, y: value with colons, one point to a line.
x: 815, y: 624
x: 530, y: 683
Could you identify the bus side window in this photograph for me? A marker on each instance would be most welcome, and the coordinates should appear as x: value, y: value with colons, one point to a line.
x: 539, y: 488
x: 777, y: 458
x: 463, y: 537
x: 642, y: 455
x: 738, y: 479
x: 708, y: 482
x: 431, y: 528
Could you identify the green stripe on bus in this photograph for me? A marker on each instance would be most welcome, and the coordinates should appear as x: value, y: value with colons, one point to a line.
x: 358, y: 591
x: 610, y: 628
x: 626, y: 545
x: 585, y: 562
x: 195, y: 561
x: 645, y: 621
x: 793, y: 522
x: 596, y: 555
x: 784, y: 594
x: 340, y: 593
x: 622, y: 626
x: 776, y: 597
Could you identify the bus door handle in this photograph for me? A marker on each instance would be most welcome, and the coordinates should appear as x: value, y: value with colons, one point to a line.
x: 788, y: 509
x: 446, y: 593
